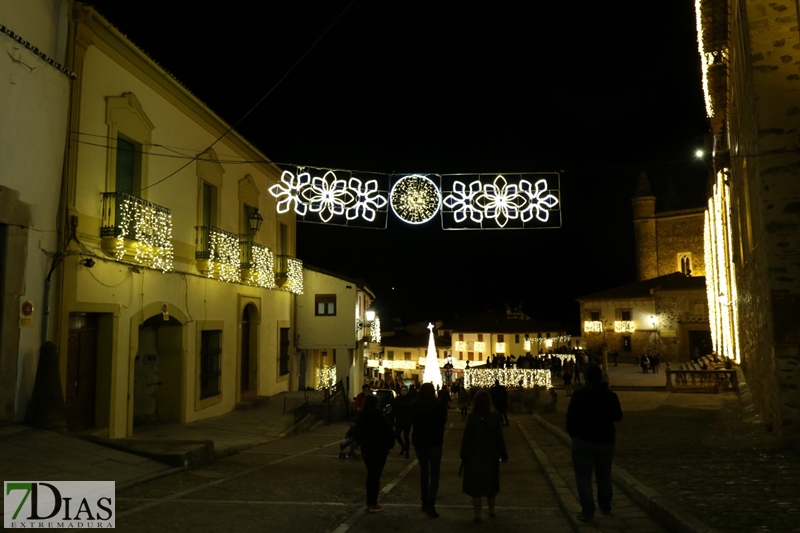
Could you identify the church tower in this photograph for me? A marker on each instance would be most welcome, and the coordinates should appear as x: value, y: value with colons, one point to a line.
x: 644, y: 224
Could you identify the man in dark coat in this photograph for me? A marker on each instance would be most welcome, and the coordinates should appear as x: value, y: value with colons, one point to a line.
x: 401, y: 412
x: 500, y: 400
x: 375, y: 436
x: 591, y: 414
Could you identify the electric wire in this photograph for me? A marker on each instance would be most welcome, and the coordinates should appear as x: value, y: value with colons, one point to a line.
x: 260, y: 100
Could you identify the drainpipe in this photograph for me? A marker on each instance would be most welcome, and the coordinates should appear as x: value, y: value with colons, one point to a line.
x: 46, y: 298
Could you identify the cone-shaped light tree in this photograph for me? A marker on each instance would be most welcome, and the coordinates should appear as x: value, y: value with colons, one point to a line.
x: 432, y: 372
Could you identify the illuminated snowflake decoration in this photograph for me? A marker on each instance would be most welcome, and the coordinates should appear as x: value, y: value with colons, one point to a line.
x: 500, y: 201
x: 368, y: 200
x: 328, y: 198
x: 415, y: 199
x: 461, y: 201
x: 289, y: 192
x: 537, y: 200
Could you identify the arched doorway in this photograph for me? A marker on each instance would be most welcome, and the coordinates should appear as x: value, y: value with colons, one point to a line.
x: 248, y: 356
x: 158, y: 372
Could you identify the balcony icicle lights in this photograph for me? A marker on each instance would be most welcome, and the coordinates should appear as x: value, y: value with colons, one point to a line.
x: 295, y: 276
x: 326, y: 377
x: 262, y: 267
x: 151, y: 228
x: 624, y: 326
x: 593, y: 326
x: 224, y: 261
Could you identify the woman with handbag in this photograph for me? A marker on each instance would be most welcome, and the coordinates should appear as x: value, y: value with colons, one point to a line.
x: 482, y: 450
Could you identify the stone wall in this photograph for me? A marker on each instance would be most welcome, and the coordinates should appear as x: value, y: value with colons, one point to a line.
x: 679, y: 232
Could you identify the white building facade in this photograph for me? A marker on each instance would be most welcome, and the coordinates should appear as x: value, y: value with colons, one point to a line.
x: 173, y: 309
x: 34, y: 102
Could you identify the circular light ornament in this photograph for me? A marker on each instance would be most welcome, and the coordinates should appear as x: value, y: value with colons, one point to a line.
x: 415, y: 199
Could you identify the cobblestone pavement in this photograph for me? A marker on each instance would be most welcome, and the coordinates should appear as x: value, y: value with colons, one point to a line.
x: 299, y: 484
x: 701, y: 453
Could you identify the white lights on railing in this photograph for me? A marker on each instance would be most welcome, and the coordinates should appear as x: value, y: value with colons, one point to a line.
x: 223, y: 260
x: 262, y: 268
x: 480, y: 346
x: 326, y: 377
x: 375, y: 330
x: 593, y: 326
x: 508, y: 377
x: 460, y: 346
x: 294, y: 276
x: 527, y: 345
x: 152, y: 230
x: 457, y: 363
x: 624, y: 326
x: 500, y: 347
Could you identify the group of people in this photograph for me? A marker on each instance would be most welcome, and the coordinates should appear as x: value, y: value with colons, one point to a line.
x: 650, y: 362
x: 423, y: 414
x: 591, y: 415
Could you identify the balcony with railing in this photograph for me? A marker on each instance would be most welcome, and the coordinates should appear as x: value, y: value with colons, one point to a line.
x: 217, y: 254
x: 136, y: 230
x: 258, y: 264
x: 289, y: 273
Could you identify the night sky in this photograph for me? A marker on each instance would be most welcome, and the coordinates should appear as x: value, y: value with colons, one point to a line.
x: 594, y: 91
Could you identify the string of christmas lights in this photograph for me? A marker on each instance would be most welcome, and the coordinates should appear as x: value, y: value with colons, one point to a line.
x: 326, y: 377
x: 152, y: 233
x: 224, y: 262
x: 624, y: 326
x: 295, y: 276
x: 262, y: 267
x: 508, y: 377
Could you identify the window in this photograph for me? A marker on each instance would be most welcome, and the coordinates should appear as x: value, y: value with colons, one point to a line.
x: 209, y: 212
x: 460, y: 356
x: 390, y: 355
x: 595, y: 315
x: 685, y: 263
x: 129, y: 131
x: 625, y: 315
x: 209, y: 173
x: 128, y: 166
x: 480, y: 337
x: 470, y: 356
x: 516, y: 339
x: 500, y: 338
x: 210, y: 355
x: 325, y: 305
x: 626, y: 343
x: 461, y: 336
x: 407, y: 356
x: 480, y: 356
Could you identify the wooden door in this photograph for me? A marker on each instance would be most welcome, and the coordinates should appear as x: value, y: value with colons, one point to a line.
x: 81, y: 379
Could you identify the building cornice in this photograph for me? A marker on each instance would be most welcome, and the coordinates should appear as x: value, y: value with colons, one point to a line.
x: 56, y: 65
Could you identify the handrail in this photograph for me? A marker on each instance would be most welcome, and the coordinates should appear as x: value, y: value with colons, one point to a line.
x: 718, y: 380
x: 301, y: 411
x: 114, y: 202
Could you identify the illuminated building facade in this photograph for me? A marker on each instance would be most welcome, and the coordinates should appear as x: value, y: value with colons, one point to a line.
x: 34, y: 104
x: 667, y: 315
x: 336, y: 332
x: 505, y: 333
x: 748, y: 53
x: 178, y: 307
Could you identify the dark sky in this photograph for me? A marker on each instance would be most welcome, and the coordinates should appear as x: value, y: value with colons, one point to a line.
x: 595, y: 90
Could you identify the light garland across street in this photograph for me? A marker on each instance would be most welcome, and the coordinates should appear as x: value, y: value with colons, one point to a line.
x: 469, y: 204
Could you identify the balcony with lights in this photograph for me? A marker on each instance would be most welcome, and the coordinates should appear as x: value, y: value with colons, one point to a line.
x: 135, y: 230
x: 217, y: 254
x: 289, y: 273
x: 258, y: 264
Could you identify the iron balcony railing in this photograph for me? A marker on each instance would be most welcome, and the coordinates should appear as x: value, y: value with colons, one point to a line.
x: 221, y: 249
x: 258, y: 264
x: 137, y: 229
x: 289, y: 272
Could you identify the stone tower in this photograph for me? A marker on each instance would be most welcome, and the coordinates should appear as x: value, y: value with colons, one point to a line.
x: 644, y: 225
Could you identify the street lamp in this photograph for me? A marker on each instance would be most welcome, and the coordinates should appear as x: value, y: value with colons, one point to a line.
x: 254, y: 221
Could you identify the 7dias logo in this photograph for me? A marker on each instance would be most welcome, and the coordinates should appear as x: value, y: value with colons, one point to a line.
x: 58, y: 504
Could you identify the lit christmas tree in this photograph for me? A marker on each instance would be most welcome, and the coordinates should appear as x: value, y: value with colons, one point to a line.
x: 432, y: 373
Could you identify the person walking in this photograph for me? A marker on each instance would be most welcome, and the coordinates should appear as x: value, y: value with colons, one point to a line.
x: 567, y: 378
x: 428, y: 417
x: 591, y: 414
x: 499, y: 396
x: 401, y: 412
x: 463, y: 402
x: 375, y: 436
x: 482, y: 450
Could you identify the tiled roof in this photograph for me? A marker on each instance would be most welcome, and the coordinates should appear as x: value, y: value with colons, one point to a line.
x: 414, y: 341
x: 360, y: 283
x: 36, y: 51
x: 645, y: 288
x: 490, y: 323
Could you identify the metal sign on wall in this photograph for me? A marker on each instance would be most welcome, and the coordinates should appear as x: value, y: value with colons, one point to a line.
x: 462, y: 201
